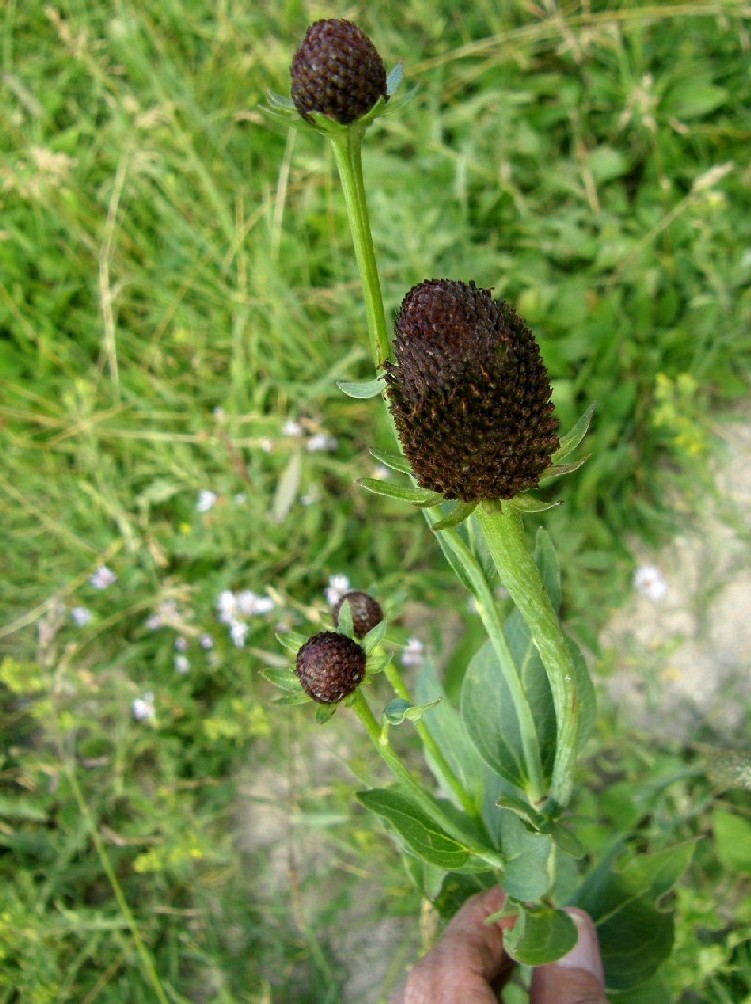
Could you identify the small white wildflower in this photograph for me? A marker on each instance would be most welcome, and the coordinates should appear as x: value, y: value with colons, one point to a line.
x: 167, y: 613
x: 219, y: 414
x: 267, y: 445
x: 649, y: 581
x: 380, y: 473
x: 143, y: 708
x: 81, y: 616
x: 238, y: 632
x: 182, y: 664
x: 240, y: 498
x: 102, y: 578
x: 206, y: 500
x: 181, y: 643
x: 250, y: 604
x: 207, y: 641
x: 414, y: 652
x: 337, y: 587
x: 310, y: 499
x: 321, y: 443
x: 291, y: 428
x: 227, y: 606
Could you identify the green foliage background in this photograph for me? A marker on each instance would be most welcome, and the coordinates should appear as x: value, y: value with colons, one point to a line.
x: 164, y: 253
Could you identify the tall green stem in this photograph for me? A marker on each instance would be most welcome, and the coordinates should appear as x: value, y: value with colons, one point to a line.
x: 348, y: 154
x: 502, y: 527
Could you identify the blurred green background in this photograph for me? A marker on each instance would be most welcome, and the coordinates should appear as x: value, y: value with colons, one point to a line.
x: 178, y: 297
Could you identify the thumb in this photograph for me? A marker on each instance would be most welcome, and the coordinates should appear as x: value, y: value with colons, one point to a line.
x: 578, y: 977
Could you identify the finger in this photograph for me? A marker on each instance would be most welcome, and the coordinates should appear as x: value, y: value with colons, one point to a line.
x: 468, y: 958
x: 578, y: 977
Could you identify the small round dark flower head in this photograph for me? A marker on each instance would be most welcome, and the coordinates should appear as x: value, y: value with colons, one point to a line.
x: 330, y: 666
x: 469, y: 393
x: 337, y: 71
x: 366, y: 612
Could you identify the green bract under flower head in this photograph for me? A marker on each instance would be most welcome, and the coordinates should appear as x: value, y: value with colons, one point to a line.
x: 337, y: 71
x: 330, y: 667
x: 366, y: 611
x: 469, y: 393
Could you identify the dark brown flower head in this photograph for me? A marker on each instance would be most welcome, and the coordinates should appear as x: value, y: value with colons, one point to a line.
x: 337, y: 71
x: 469, y: 393
x: 330, y: 666
x: 366, y: 612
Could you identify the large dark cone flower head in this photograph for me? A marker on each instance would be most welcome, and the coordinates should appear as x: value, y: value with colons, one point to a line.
x: 337, y: 71
x: 469, y: 393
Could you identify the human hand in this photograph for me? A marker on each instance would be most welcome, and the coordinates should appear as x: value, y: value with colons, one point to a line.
x: 469, y: 964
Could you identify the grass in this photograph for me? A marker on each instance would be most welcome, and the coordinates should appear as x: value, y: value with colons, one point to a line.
x: 176, y: 284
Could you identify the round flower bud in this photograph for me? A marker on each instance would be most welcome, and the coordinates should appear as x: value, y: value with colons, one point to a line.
x: 366, y: 612
x: 469, y: 393
x: 330, y: 666
x: 337, y: 71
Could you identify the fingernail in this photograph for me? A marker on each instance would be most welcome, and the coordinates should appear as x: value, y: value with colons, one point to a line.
x: 586, y: 953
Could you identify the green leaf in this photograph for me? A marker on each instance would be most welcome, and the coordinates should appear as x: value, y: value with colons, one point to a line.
x: 635, y: 931
x: 559, y: 470
x: 285, y: 679
x: 300, y: 698
x: 574, y: 436
x: 395, y: 461
x: 399, y: 710
x: 375, y: 636
x: 345, y: 625
x: 291, y: 640
x: 540, y: 935
x: 394, y: 79
x: 415, y: 496
x: 693, y: 99
x: 287, y: 488
x: 732, y: 835
x: 459, y: 512
x: 362, y: 390
x: 527, y: 504
x: 426, y: 838
x: 528, y: 873
x: 654, y: 991
x: 324, y: 712
x: 447, y: 729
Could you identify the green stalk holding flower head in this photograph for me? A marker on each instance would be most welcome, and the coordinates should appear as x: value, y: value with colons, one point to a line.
x: 468, y: 392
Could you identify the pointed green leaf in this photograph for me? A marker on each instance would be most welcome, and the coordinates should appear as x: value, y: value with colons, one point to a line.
x: 528, y: 504
x: 399, y: 710
x: 285, y: 679
x: 291, y: 640
x: 362, y: 390
x: 394, y: 79
x: 540, y: 935
x: 375, y: 636
x: 558, y: 470
x: 415, y: 496
x: 281, y: 103
x: 459, y: 512
x: 425, y: 838
x: 344, y: 623
x: 395, y: 461
x: 324, y: 712
x: 574, y: 436
x: 301, y: 698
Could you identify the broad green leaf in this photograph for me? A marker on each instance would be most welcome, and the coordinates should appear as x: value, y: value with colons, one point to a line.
x: 654, y: 991
x: 362, y: 390
x: 635, y: 931
x: 447, y: 729
x: 528, y: 875
x: 457, y: 888
x: 395, y: 461
x: 732, y: 835
x: 540, y: 935
x: 693, y: 98
x: 421, y: 833
x: 401, y: 493
x: 490, y: 718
